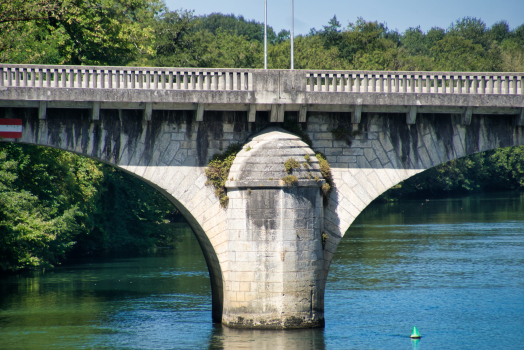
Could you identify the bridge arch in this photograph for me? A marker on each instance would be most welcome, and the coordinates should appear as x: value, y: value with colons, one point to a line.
x: 122, y: 140
x: 386, y: 151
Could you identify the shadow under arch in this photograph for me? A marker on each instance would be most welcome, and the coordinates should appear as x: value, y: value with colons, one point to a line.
x: 210, y: 255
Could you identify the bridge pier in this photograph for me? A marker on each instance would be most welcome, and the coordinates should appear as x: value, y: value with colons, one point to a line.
x: 274, y: 275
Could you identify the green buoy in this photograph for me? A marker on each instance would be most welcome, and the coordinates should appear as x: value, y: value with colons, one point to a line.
x: 415, y: 334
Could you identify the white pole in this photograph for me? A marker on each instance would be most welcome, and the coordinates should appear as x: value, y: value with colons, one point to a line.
x: 292, y: 25
x: 265, y: 34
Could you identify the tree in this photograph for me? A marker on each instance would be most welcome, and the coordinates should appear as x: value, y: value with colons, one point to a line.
x: 413, y: 41
x: 45, y: 200
x: 455, y: 53
x: 470, y: 28
x: 78, y: 31
x: 310, y: 53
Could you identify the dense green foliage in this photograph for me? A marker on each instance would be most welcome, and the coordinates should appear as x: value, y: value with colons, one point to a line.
x: 217, y: 171
x: 145, y: 32
x: 497, y: 170
x: 53, y: 203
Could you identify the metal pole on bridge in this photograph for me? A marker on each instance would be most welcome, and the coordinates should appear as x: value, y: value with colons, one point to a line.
x: 265, y: 34
x: 292, y: 25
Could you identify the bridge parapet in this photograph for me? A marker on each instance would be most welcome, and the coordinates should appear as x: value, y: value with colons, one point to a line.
x: 100, y: 77
x: 415, y: 82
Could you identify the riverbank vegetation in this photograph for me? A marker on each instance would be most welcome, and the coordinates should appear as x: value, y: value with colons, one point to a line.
x: 55, y: 204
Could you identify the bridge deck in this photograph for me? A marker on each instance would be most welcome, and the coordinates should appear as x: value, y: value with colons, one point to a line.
x: 251, y: 90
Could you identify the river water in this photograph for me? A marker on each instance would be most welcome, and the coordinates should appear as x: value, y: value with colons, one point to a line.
x: 453, y: 268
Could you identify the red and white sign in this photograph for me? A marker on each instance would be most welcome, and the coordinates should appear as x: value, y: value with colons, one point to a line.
x: 11, y: 128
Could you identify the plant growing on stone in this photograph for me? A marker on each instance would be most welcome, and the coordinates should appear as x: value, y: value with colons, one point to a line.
x: 325, y: 170
x: 290, y: 180
x: 324, y: 239
x: 291, y: 164
x: 248, y: 148
x: 305, y: 165
x: 217, y: 172
x: 307, y: 158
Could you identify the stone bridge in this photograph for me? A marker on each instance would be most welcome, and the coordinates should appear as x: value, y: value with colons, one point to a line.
x: 269, y: 252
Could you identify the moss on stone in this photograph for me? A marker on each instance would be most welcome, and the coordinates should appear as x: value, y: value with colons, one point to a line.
x: 291, y: 164
x: 217, y: 172
x: 290, y: 180
x: 324, y: 239
x: 325, y: 170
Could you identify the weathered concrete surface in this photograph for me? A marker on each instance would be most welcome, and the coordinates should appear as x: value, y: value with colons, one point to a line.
x: 171, y: 151
x: 274, y: 276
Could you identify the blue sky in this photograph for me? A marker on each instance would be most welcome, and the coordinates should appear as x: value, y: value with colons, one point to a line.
x: 398, y: 14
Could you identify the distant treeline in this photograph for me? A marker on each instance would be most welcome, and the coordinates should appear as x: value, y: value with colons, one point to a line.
x: 146, y: 33
x: 56, y: 204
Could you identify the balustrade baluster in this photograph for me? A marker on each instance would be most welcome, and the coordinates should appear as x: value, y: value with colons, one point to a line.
x: 17, y: 76
x: 77, y: 78
x: 482, y: 84
x: 411, y: 83
x: 103, y: 78
x: 177, y: 77
x: 55, y: 77
x: 23, y: 77
x: 162, y: 78
x: 474, y: 84
x: 397, y: 83
x: 214, y: 80
x: 186, y: 81
x: 63, y: 77
x: 341, y: 78
x: 31, y: 77
x: 389, y: 82
x: 357, y: 82
x: 192, y: 80
x: 9, y: 77
x: 489, y: 84
x: 170, y: 80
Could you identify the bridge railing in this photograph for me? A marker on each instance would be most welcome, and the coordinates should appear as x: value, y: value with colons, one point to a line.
x: 125, y: 77
x: 415, y: 82
x: 250, y: 79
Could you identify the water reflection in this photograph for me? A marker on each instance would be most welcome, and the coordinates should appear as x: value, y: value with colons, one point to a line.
x: 227, y: 338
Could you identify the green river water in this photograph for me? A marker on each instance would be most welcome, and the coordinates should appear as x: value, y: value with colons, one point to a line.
x: 454, y: 268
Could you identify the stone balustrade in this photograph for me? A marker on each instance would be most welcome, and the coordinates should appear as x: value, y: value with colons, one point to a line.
x: 416, y: 82
x: 124, y: 77
x: 49, y: 76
